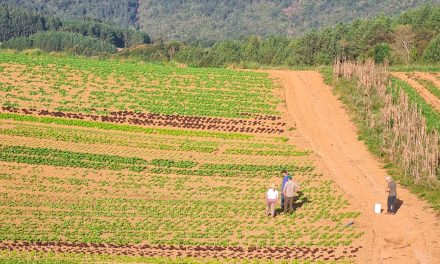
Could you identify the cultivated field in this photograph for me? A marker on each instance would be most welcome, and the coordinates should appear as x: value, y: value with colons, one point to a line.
x: 131, y: 162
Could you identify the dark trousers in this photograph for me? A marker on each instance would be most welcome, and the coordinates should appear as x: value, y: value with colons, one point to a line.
x: 282, y: 201
x: 288, y: 204
x: 391, y: 204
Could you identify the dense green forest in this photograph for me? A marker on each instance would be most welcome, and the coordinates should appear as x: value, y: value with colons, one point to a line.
x: 213, y: 20
x: 20, y: 23
x: 121, y: 12
x: 62, y: 41
x: 412, y: 37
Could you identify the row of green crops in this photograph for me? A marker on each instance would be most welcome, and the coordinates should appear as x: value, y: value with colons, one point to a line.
x: 54, y: 157
x: 45, y: 156
x: 158, y: 142
x: 22, y: 257
x: 128, y: 128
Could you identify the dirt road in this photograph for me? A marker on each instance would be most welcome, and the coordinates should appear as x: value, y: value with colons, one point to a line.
x: 410, y: 236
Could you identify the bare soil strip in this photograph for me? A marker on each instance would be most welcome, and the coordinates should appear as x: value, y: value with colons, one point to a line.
x: 410, y: 236
x: 302, y: 253
x: 260, y: 124
x: 429, y: 97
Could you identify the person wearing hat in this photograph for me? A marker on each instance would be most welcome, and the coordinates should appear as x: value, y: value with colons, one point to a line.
x: 392, y: 194
x: 271, y: 200
x: 289, y: 191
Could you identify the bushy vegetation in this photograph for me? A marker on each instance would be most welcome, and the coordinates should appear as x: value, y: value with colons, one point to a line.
x: 409, y: 38
x: 21, y: 23
x: 120, y: 12
x: 213, y: 20
x: 61, y: 41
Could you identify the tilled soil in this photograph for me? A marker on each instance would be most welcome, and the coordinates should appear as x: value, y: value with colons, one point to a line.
x: 299, y: 253
x: 260, y: 124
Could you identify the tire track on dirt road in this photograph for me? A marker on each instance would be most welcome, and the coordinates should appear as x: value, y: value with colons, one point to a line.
x: 410, y: 236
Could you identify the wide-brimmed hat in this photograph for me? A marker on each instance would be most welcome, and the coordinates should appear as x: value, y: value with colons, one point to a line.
x: 272, y: 186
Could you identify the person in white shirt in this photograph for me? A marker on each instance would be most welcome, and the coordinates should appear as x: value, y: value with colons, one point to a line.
x: 271, y: 200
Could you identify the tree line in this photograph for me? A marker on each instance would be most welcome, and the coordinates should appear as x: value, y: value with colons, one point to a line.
x: 16, y: 23
x: 412, y: 37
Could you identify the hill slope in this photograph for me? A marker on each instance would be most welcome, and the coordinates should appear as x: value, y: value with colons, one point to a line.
x: 211, y: 20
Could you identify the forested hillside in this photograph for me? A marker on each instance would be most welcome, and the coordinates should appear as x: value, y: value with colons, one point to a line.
x: 122, y: 12
x: 213, y: 20
x: 228, y: 19
x: 23, y: 29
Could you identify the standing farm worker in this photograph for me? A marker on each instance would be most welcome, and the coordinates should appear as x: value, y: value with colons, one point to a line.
x: 392, y: 194
x: 271, y: 200
x: 285, y: 179
x: 289, y: 192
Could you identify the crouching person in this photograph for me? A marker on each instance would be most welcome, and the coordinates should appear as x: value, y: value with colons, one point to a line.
x: 271, y: 200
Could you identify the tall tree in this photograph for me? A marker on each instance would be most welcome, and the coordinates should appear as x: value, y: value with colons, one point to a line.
x: 403, y: 45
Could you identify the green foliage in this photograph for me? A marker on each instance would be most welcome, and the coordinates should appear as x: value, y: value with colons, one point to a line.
x: 359, y: 40
x: 16, y: 23
x: 382, y: 52
x: 430, y: 86
x: 173, y: 164
x: 120, y: 12
x: 218, y: 20
x: 107, y: 126
x: 54, y: 157
x: 432, y: 53
x: 61, y: 41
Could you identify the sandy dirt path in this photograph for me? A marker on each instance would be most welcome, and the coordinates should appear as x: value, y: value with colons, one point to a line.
x: 429, y: 97
x: 410, y: 236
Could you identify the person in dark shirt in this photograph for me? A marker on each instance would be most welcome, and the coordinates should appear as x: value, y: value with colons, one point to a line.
x: 285, y: 180
x: 392, y: 194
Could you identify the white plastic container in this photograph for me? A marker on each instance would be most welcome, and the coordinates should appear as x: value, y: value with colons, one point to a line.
x: 377, y: 208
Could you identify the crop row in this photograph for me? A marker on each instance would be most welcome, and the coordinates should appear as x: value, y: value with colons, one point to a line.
x: 54, y: 157
x: 187, y: 122
x: 94, y: 137
x: 267, y: 152
x: 120, y: 127
x: 45, y: 156
x: 147, y: 141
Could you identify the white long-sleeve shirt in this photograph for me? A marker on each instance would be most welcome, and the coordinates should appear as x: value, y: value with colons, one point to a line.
x: 272, y: 194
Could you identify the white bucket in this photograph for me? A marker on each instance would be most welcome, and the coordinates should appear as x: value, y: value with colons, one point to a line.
x: 378, y: 208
